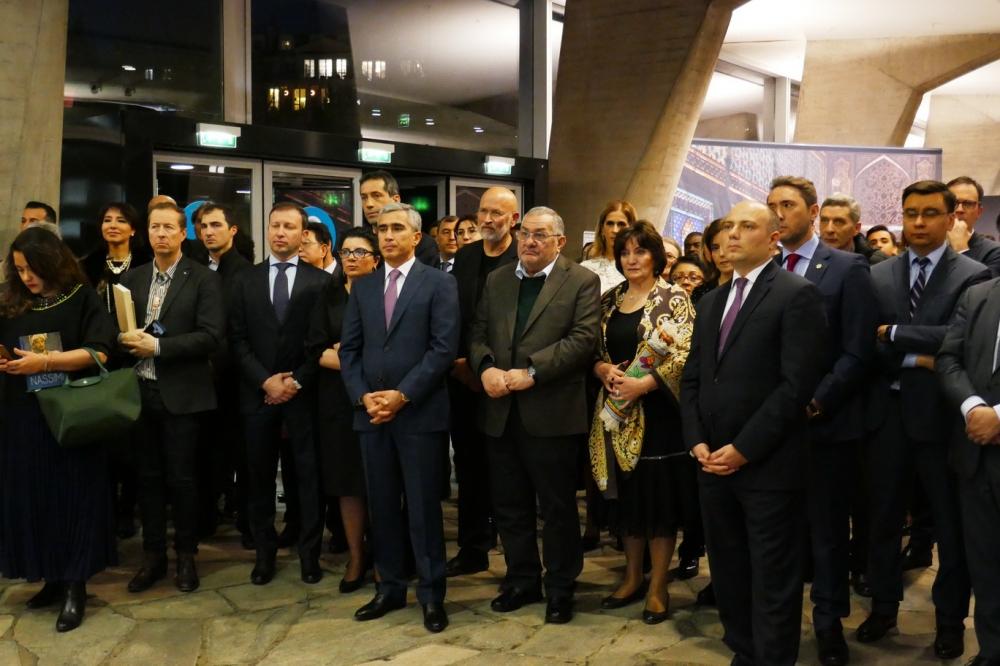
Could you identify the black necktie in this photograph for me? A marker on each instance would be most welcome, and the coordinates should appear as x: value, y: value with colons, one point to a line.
x: 917, y: 290
x: 279, y: 297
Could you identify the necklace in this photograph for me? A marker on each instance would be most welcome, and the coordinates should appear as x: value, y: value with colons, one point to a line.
x: 119, y: 267
x: 45, y: 302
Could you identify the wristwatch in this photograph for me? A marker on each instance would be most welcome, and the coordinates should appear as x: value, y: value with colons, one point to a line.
x: 403, y: 397
x: 296, y: 383
x: 531, y: 371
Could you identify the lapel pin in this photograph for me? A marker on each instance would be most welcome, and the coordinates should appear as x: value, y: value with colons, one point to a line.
x: 819, y: 266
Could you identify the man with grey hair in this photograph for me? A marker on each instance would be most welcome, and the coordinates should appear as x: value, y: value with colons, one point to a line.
x: 400, y: 338
x: 840, y: 227
x: 532, y: 344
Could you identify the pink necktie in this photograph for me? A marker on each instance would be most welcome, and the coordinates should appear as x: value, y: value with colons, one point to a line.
x: 390, y: 295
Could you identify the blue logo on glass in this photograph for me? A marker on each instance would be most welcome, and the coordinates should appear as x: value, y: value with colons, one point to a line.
x: 189, y: 214
x: 319, y: 215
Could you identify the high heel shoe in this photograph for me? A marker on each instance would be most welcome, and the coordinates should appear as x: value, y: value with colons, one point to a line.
x: 654, y: 617
x: 611, y: 602
x: 348, y: 586
x: 74, y: 606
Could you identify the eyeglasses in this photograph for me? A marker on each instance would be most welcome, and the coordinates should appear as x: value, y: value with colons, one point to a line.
x: 927, y: 214
x: 360, y: 253
x: 537, y: 236
x: 696, y: 278
x: 965, y: 203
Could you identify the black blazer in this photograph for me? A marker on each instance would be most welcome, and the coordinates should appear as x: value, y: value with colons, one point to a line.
x: 263, y: 346
x: 232, y: 267
x: 926, y: 412
x: 466, y: 272
x: 412, y: 355
x: 965, y: 365
x: 754, y: 394
x: 192, y: 316
x: 844, y: 281
x: 985, y: 251
x: 427, y: 251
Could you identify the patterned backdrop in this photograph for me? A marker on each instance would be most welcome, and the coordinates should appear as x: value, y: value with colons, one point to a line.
x: 718, y: 174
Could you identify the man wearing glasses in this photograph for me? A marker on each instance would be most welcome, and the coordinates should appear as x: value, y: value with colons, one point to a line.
x: 908, y: 415
x: 531, y: 345
x: 963, y: 237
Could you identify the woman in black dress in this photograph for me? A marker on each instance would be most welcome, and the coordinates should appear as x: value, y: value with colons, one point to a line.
x: 55, y: 505
x: 636, y: 452
x: 340, y: 450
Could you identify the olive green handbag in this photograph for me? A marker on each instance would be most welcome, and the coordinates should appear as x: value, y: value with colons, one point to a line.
x: 92, y: 409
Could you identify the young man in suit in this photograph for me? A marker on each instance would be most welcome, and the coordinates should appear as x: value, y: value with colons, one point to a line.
x: 757, y: 354
x: 963, y: 236
x: 836, y: 415
x: 917, y: 293
x: 532, y: 345
x: 967, y: 365
x: 378, y: 189
x: 179, y: 303
x: 269, y: 316
x: 400, y: 337
x: 498, y: 213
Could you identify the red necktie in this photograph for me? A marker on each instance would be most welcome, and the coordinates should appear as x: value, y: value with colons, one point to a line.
x: 791, y: 260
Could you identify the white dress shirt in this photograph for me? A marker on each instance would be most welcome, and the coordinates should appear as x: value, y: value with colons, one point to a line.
x: 521, y: 273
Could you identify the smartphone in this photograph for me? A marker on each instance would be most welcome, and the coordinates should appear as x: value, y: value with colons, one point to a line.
x: 5, y: 354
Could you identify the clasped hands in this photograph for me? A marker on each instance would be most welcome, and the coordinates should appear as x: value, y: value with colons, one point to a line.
x: 620, y: 386
x: 138, y: 342
x: 498, y: 383
x: 279, y: 388
x: 723, y: 462
x: 382, y: 406
x: 982, y: 425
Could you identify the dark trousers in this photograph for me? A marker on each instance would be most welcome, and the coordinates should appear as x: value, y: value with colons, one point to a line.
x: 290, y: 485
x: 828, y: 504
x: 263, y: 437
x: 893, y: 459
x: 980, y: 499
x: 523, y: 467
x: 396, y: 462
x: 693, y: 545
x: 222, y: 442
x: 860, y: 506
x: 475, y: 531
x: 754, y: 540
x: 166, y: 460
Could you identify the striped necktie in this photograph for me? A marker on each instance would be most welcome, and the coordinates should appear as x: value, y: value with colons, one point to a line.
x: 917, y: 290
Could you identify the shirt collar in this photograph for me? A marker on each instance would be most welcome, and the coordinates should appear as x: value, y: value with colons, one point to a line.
x: 521, y: 273
x: 332, y: 267
x: 170, y: 271
x: 753, y: 274
x: 404, y: 268
x: 806, y: 251
x: 933, y: 255
x: 293, y: 260
x: 446, y: 261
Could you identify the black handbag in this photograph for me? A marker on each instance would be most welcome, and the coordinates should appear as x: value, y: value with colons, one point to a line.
x: 92, y: 409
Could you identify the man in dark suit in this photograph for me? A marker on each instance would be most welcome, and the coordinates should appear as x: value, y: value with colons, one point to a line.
x: 179, y: 303
x: 498, y: 213
x: 379, y: 188
x: 399, y: 340
x: 836, y: 415
x: 269, y: 316
x: 532, y: 344
x: 967, y: 365
x: 757, y: 354
x: 907, y: 413
x: 963, y: 236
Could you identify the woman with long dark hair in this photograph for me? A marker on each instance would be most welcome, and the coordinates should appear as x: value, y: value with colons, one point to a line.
x: 121, y: 248
x: 55, y: 508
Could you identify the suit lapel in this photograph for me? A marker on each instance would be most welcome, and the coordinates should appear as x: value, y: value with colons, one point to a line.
x: 901, y: 276
x: 140, y: 297
x: 552, y: 284
x: 410, y: 287
x: 715, y: 318
x: 175, y: 286
x: 936, y: 281
x: 757, y: 293
x: 816, y: 270
x: 990, y: 322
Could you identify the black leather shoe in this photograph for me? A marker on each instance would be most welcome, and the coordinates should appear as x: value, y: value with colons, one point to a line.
x: 377, y: 607
x: 875, y: 627
x: 862, y: 587
x: 51, y: 593
x: 186, y: 579
x: 288, y: 537
x: 466, y: 563
x: 916, y: 557
x: 263, y: 569
x: 652, y: 617
x: 980, y: 660
x: 832, y: 647
x: 611, y: 601
x: 74, y: 606
x: 513, y: 598
x: 949, y: 642
x: 559, y: 610
x: 154, y: 567
x: 686, y: 569
x: 435, y: 617
x: 310, y: 571
x: 706, y: 596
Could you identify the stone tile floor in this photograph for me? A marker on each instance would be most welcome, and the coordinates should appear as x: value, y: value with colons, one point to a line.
x: 230, y: 621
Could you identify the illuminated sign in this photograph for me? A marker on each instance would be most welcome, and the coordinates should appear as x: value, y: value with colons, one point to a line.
x: 498, y: 166
x: 217, y: 136
x: 372, y: 151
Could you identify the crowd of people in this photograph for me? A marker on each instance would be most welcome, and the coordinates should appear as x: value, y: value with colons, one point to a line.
x: 787, y: 392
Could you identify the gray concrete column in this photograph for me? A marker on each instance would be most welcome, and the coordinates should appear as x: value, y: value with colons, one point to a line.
x: 967, y: 129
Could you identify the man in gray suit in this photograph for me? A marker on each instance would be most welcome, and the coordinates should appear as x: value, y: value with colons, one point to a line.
x: 532, y: 342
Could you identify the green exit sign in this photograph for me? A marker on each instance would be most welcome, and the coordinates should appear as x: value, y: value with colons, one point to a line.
x: 404, y: 120
x: 217, y: 136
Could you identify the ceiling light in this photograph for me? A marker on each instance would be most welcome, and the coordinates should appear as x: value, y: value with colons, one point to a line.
x: 128, y: 68
x: 478, y: 130
x: 429, y: 122
x: 242, y: 191
x: 376, y: 113
x: 181, y: 167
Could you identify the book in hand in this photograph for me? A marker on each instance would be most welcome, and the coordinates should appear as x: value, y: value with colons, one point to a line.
x: 41, y: 343
x: 124, y: 308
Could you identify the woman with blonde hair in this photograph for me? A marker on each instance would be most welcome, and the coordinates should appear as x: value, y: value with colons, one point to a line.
x: 617, y: 216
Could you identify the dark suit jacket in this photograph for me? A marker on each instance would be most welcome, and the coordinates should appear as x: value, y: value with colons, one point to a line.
x: 232, y: 269
x: 754, y: 394
x: 559, y: 340
x: 965, y: 365
x: 986, y: 252
x: 412, y: 355
x: 926, y: 413
x: 844, y: 281
x: 260, y: 344
x: 466, y: 272
x: 427, y: 251
x: 192, y: 315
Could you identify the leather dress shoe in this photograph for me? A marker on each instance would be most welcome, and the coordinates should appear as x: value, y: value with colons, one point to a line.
x: 51, y: 593
x: 310, y: 571
x: 263, y: 568
x: 435, y: 617
x: 949, y: 642
x: 377, y: 607
x: 862, y: 587
x: 559, y: 610
x: 875, y: 627
x: 685, y: 570
x: 918, y: 557
x: 980, y: 660
x: 831, y: 647
x: 513, y: 598
x: 656, y: 617
x: 154, y: 567
x: 611, y: 601
x: 706, y: 596
x: 186, y: 579
x: 348, y: 586
x: 466, y: 563
x: 74, y: 606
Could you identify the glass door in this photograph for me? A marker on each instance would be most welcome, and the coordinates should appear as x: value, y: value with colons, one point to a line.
x: 328, y: 195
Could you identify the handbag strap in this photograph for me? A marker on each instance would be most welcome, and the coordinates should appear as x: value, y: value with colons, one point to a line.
x: 93, y: 354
